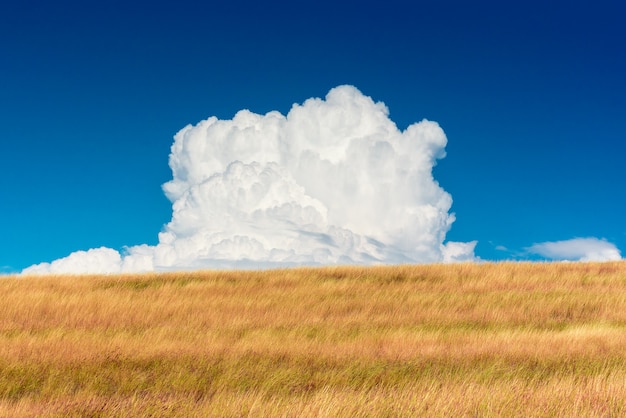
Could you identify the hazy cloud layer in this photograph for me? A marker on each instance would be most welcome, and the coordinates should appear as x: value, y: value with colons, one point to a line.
x: 577, y: 249
x: 333, y: 181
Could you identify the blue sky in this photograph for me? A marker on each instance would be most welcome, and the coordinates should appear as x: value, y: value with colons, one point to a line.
x: 531, y: 96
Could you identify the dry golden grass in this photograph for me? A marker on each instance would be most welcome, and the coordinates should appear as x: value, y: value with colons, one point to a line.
x: 512, y: 339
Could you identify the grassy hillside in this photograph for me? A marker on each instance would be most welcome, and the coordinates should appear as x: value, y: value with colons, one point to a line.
x: 436, y: 340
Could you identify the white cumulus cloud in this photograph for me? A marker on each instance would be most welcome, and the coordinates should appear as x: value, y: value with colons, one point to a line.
x: 577, y: 249
x: 94, y: 261
x: 332, y: 182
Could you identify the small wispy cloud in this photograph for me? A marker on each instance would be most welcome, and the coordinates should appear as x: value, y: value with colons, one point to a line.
x: 458, y: 252
x: 577, y: 249
x: 7, y: 270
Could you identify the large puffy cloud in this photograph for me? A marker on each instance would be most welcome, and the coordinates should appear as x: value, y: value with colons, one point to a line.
x: 577, y: 249
x: 332, y: 182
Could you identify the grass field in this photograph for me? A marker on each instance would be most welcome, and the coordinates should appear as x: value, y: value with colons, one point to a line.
x: 501, y: 339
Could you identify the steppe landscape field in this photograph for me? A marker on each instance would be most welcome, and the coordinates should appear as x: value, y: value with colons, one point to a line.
x: 492, y: 339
